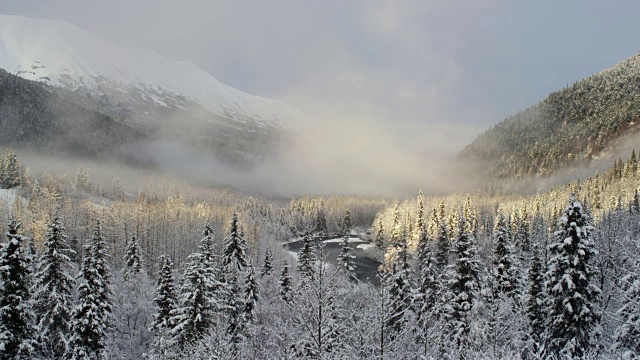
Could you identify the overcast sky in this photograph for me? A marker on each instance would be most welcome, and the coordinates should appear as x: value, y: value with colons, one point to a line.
x: 445, y: 68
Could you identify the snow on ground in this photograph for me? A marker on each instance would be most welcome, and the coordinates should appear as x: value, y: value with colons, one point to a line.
x: 339, y: 240
x: 293, y: 256
x: 365, y: 247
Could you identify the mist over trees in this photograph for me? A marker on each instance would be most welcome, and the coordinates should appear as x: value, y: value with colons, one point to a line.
x: 175, y: 270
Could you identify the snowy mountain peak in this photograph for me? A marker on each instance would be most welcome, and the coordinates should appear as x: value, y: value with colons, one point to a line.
x: 61, y: 54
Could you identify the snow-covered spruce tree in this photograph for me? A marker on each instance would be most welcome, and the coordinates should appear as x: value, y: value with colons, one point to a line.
x: 536, y: 299
x: 267, y: 265
x: 421, y: 222
x: 251, y: 295
x: 234, y: 263
x: 17, y: 328
x: 524, y: 230
x: 400, y: 285
x: 211, y: 267
x: 346, y: 223
x: 427, y: 286
x: 573, y: 314
x: 286, y: 282
x: 346, y: 259
x: 165, y: 299
x: 53, y: 293
x: 234, y: 258
x: 132, y: 260
x: 443, y: 246
x: 92, y: 316
x: 627, y: 335
x: 379, y: 241
x: 165, y: 303
x: 321, y: 220
x: 207, y: 243
x: 463, y: 288
x: 75, y: 256
x: 505, y: 272
x: 192, y: 317
x: 306, y: 260
x: 395, y: 233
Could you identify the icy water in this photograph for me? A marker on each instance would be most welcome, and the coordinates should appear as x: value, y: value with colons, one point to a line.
x: 365, y: 267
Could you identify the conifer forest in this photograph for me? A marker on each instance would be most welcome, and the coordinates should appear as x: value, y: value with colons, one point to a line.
x: 90, y: 271
x: 323, y: 180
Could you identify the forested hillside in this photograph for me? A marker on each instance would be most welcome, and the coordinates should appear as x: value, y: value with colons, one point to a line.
x: 40, y: 117
x: 571, y: 126
x: 176, y: 271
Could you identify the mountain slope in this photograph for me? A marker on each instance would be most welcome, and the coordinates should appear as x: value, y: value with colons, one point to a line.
x: 160, y: 100
x: 572, y: 126
x: 40, y: 117
x: 58, y: 53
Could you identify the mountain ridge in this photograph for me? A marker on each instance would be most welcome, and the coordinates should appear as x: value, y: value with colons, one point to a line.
x: 573, y: 126
x: 61, y: 54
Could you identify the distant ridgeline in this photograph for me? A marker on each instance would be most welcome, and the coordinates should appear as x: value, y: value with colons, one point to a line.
x: 41, y: 117
x: 569, y: 127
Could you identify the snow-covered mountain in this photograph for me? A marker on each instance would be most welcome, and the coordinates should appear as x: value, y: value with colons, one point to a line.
x: 61, y: 54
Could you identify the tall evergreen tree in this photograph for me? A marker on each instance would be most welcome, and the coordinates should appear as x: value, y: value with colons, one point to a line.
x: 573, y: 314
x: 165, y: 299
x: 463, y: 286
x: 346, y: 258
x: 321, y: 220
x: 16, y: 316
x: 346, y: 223
x: 267, y: 265
x: 504, y: 265
x: 210, y: 261
x: 53, y: 292
x: 400, y: 284
x: 536, y: 304
x: 251, y: 295
x: 306, y: 259
x: 524, y: 230
x: 421, y: 222
x: 427, y: 286
x: 132, y: 259
x: 627, y: 335
x: 234, y: 263
x: 443, y: 246
x: 286, y: 282
x: 396, y: 230
x: 234, y: 258
x: 92, y: 315
x: 379, y: 241
x: 193, y: 316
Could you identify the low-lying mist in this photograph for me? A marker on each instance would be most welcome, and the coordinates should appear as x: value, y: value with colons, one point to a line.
x: 332, y: 156
x: 335, y: 156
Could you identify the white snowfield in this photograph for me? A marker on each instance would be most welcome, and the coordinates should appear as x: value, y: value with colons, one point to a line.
x: 61, y: 54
